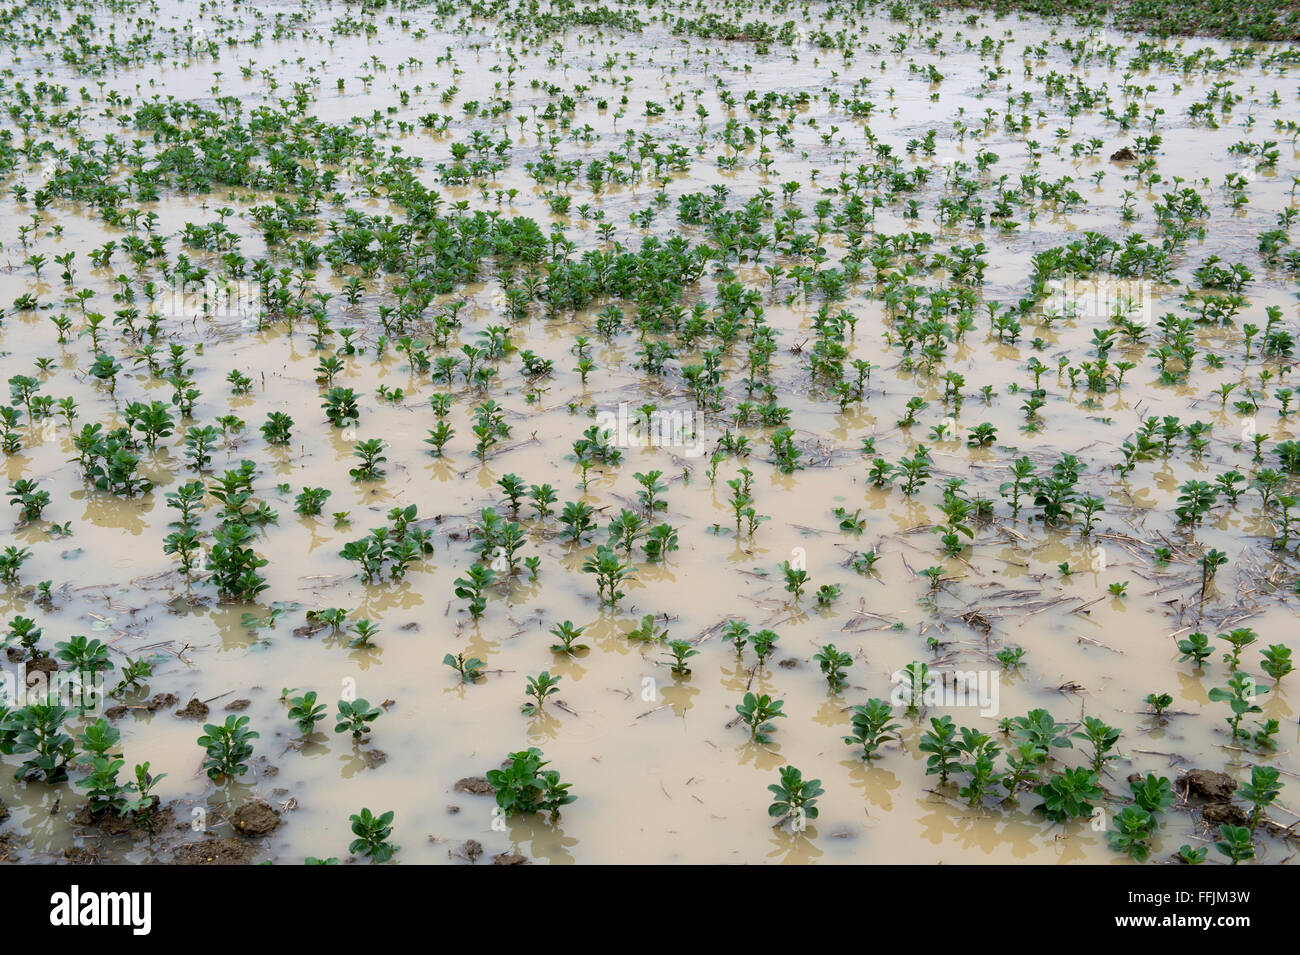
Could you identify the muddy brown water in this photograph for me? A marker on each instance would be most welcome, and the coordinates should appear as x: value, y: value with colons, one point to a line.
x: 659, y: 773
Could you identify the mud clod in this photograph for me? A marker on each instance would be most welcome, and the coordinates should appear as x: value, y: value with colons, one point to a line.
x: 195, y: 709
x: 255, y: 818
x: 475, y: 785
x: 470, y: 851
x: 41, y: 665
x: 1206, y: 784
x: 1219, y: 813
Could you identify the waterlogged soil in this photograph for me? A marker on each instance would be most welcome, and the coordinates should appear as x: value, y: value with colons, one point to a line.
x: 662, y: 770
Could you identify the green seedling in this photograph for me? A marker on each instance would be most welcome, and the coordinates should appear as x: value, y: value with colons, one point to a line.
x: 610, y: 572
x: 646, y: 631
x: 1190, y: 856
x: 363, y: 635
x: 1040, y: 729
x: 1132, y: 834
x: 355, y: 717
x: 1069, y: 794
x: 145, y: 803
x: 228, y: 747
x: 681, y: 651
x: 872, y: 727
x: 1261, y: 792
x: 978, y: 752
x: 795, y: 579
x: 833, y: 663
x: 1159, y: 702
x: 1240, y: 695
x: 794, y: 797
x: 1238, y: 639
x: 471, y: 587
x: 83, y: 655
x: 524, y: 788
x: 1010, y: 657
x: 566, y: 633
x: 827, y: 594
x: 134, y: 673
x: 470, y: 670
x: 1235, y: 843
x: 1195, y: 648
x: 1277, y: 661
x: 756, y: 711
x: 737, y: 633
x: 764, y: 642
x: 1101, y: 738
x: 539, y: 688
x: 306, y: 712
x: 36, y: 731
x: 372, y: 834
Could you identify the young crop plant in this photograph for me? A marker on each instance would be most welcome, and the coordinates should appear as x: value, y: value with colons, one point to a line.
x: 470, y: 670
x: 1277, y: 661
x: 1159, y: 702
x: 278, y: 428
x: 340, y: 406
x: 1196, y: 647
x: 1101, y: 738
x: 145, y: 802
x: 1134, y: 828
x: 794, y: 797
x: 1069, y: 794
x: 228, y: 747
x: 1041, y: 732
x: 679, y: 652
x: 978, y: 754
x: 363, y: 635
x: 1237, y: 639
x: 83, y: 655
x: 472, y: 587
x: 355, y: 717
x: 372, y: 834
x: 567, y: 633
x: 37, y: 732
x: 610, y: 572
x: 872, y: 727
x: 764, y: 642
x: 755, y: 712
x: 26, y: 495
x: 306, y: 712
x: 796, y: 578
x: 538, y: 689
x: 1235, y: 843
x: 940, y: 741
x: 1240, y: 695
x: 833, y: 663
x: 371, y: 455
x: 523, y: 787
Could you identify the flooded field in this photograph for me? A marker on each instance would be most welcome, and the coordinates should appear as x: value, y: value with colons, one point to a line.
x: 828, y: 433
